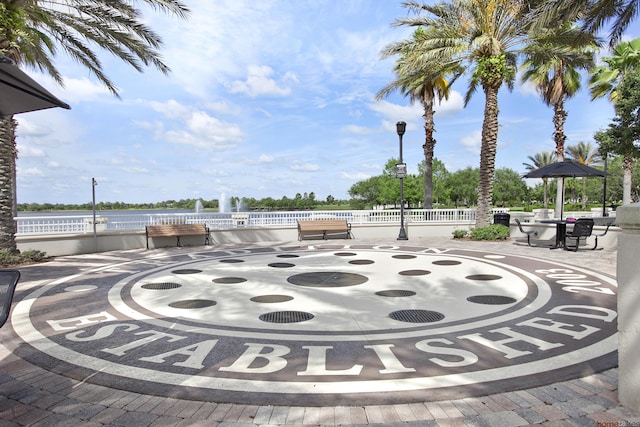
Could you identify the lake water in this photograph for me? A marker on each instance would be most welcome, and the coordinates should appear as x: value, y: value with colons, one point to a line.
x: 108, y: 213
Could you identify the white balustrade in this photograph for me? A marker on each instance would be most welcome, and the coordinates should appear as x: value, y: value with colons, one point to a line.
x: 56, y: 224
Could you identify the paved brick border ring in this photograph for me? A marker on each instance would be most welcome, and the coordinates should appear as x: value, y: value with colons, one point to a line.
x: 409, y: 324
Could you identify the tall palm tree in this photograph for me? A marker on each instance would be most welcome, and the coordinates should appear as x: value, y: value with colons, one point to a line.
x: 483, y: 36
x: 32, y: 32
x: 585, y: 154
x: 422, y: 86
x: 554, y: 59
x: 539, y: 160
x: 606, y: 80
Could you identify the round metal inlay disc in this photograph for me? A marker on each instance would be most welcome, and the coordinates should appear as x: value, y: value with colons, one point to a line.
x: 161, y: 286
x: 231, y: 260
x: 484, y: 277
x: 192, y: 303
x: 414, y: 272
x: 288, y: 256
x: 327, y: 279
x: 416, y: 316
x: 403, y: 256
x: 286, y: 317
x: 272, y: 298
x: 361, y: 261
x: 187, y: 271
x: 345, y: 254
x: 491, y: 299
x: 281, y: 265
x: 447, y: 262
x: 395, y: 293
x: 229, y: 280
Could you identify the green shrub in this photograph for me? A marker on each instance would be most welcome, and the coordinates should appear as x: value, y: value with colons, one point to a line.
x: 460, y: 234
x: 491, y: 232
x: 8, y: 258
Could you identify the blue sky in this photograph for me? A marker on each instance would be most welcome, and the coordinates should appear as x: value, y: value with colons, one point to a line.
x: 268, y: 98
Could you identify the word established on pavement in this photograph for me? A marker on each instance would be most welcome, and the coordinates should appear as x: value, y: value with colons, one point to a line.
x: 322, y: 324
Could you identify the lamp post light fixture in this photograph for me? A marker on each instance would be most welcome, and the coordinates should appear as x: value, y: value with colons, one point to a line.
x: 93, y: 204
x: 401, y: 172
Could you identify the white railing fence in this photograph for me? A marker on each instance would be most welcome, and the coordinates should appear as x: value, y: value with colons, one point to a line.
x: 57, y: 224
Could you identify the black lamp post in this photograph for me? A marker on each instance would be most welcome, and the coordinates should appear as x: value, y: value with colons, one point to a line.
x: 401, y: 171
x: 604, y: 185
x: 93, y: 193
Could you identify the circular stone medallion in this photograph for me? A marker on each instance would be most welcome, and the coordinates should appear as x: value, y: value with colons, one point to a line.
x: 342, y: 334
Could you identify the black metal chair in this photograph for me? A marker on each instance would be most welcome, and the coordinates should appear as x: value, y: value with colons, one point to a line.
x: 582, y: 229
x: 8, y: 281
x: 609, y: 224
x: 527, y: 232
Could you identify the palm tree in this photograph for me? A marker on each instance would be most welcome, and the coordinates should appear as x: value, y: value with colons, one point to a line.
x: 483, y: 37
x: 539, y: 160
x: 422, y: 86
x: 553, y: 62
x: 594, y: 14
x: 585, y: 154
x: 606, y: 80
x: 32, y: 32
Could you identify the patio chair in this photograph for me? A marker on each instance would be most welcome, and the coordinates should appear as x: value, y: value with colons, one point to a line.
x: 527, y: 232
x: 600, y: 235
x: 582, y: 229
x: 8, y: 281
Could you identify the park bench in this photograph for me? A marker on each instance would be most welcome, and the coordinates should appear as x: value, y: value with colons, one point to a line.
x: 177, y: 230
x: 324, y: 228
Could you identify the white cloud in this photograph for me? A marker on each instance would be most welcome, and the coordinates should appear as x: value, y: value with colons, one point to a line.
x: 223, y: 107
x: 265, y: 158
x: 30, y: 151
x: 449, y: 107
x: 259, y: 83
x: 358, y: 130
x: 83, y: 90
x: 30, y: 172
x: 171, y: 108
x: 472, y: 142
x: 358, y: 176
x: 392, y: 113
x: 305, y: 167
x: 193, y: 127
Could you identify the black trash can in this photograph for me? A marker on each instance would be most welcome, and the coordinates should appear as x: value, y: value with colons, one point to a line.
x: 501, y: 218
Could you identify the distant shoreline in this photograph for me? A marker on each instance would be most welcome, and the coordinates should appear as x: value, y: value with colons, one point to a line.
x: 109, y: 212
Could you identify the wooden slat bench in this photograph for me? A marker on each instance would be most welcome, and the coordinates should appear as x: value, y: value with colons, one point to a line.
x: 323, y: 227
x: 177, y: 230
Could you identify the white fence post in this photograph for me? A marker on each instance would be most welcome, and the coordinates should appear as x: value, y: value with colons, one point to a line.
x: 628, y: 272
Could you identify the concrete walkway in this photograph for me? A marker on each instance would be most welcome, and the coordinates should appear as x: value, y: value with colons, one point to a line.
x: 36, y: 389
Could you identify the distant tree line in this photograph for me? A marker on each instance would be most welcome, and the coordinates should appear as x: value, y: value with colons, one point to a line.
x: 299, y: 202
x: 459, y: 188
x: 450, y: 189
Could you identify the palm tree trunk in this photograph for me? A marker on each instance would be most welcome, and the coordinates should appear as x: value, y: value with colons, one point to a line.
x: 428, y: 148
x: 7, y: 183
x: 487, y: 155
x: 627, y: 167
x: 559, y: 118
